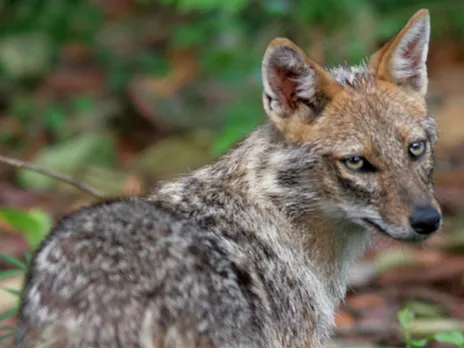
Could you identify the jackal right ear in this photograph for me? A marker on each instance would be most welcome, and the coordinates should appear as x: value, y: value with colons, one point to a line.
x: 294, y: 85
x: 403, y: 60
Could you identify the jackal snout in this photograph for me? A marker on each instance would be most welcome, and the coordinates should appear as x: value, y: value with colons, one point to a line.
x: 404, y: 208
x: 425, y: 217
x: 402, y: 204
x: 408, y: 202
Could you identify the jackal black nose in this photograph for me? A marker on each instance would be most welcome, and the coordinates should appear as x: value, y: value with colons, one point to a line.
x: 425, y: 219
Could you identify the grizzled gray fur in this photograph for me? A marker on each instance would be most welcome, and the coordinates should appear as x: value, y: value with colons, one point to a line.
x: 186, y: 267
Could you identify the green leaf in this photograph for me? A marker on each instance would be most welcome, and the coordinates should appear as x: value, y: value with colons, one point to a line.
x: 13, y: 261
x: 72, y: 157
x: 8, y: 313
x: 192, y: 34
x: 450, y: 337
x: 83, y: 104
x: 28, y: 258
x: 12, y: 291
x: 55, y: 117
x: 33, y: 224
x: 424, y: 309
x: 241, y: 119
x: 117, y: 79
x: 10, y: 273
x: 153, y: 64
x: 44, y: 224
x: 418, y: 343
x: 22, y: 107
x: 25, y: 55
x: 406, y: 316
x: 209, y: 5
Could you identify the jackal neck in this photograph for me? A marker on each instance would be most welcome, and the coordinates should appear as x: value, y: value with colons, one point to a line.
x: 275, y: 173
x: 333, y: 247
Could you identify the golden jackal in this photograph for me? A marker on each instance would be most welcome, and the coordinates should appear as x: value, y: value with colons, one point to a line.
x: 255, y: 249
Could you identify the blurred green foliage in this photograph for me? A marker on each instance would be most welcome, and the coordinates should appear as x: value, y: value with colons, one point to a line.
x: 406, y: 318
x: 19, y: 269
x: 34, y: 224
x: 229, y: 38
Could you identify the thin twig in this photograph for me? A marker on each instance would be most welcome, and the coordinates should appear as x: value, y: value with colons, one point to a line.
x: 61, y: 177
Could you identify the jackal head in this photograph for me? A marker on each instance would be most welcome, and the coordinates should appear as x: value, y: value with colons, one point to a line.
x: 367, y: 128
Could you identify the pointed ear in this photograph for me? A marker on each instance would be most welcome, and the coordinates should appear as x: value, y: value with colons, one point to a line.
x: 294, y: 85
x: 403, y: 59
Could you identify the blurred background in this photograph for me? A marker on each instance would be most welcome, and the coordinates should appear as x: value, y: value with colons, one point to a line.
x: 120, y: 94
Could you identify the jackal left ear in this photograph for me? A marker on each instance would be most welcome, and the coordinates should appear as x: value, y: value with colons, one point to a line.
x: 295, y: 87
x: 403, y: 59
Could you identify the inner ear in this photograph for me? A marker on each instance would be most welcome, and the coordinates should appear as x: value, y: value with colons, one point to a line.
x: 292, y: 81
x: 402, y: 60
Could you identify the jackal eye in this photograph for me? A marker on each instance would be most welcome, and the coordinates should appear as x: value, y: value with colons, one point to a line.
x: 354, y: 162
x: 358, y: 164
x: 417, y: 148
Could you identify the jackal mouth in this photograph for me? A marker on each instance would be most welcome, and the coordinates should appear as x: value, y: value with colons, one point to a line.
x: 376, y: 226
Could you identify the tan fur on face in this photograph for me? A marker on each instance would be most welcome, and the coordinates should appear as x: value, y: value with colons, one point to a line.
x: 377, y: 122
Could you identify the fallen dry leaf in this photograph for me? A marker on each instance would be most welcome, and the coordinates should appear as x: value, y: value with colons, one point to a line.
x: 344, y: 320
x: 365, y: 301
x: 133, y: 186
